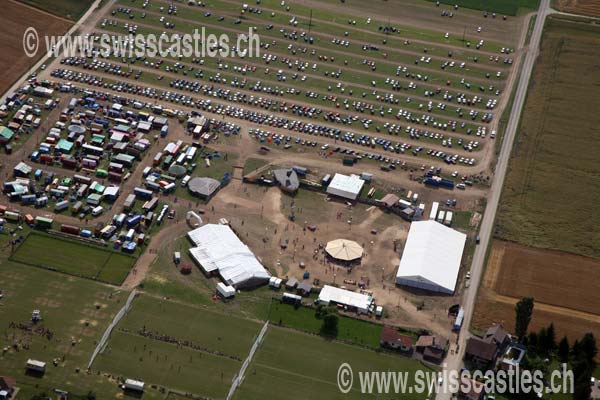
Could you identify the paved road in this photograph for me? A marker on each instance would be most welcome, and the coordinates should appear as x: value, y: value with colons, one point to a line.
x: 454, y: 361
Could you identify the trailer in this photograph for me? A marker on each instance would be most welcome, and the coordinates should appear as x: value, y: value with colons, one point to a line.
x: 61, y: 206
x: 129, y: 202
x: 142, y: 193
x: 448, y: 219
x: 70, y: 229
x: 459, y: 320
x: 441, y: 217
x: 434, y: 210
x: 225, y: 291
x: 35, y: 365
x: 133, y: 385
x: 43, y: 223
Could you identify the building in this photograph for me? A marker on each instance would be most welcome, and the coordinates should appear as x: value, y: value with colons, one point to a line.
x: 497, y: 335
x: 347, y: 187
x: 204, y: 188
x: 7, y: 385
x: 431, y: 258
x: 480, y: 353
x: 304, y: 288
x: 353, y: 301
x: 287, y: 179
x: 389, y: 200
x: 219, y: 251
x: 432, y: 348
x: 6, y: 134
x: 22, y: 170
x: 392, y: 339
x: 470, y: 389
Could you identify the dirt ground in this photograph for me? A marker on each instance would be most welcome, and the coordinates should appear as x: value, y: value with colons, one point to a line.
x: 584, y: 7
x: 15, y: 20
x: 516, y: 271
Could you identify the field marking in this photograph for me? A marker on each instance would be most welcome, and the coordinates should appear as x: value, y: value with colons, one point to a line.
x: 110, y: 327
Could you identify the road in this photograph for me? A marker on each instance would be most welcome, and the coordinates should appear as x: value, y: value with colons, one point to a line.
x: 454, y: 360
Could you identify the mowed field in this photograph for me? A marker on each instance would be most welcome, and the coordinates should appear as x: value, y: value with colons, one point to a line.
x: 550, y: 199
x: 75, y: 312
x: 74, y: 258
x: 16, y: 19
x: 294, y: 365
x: 584, y: 7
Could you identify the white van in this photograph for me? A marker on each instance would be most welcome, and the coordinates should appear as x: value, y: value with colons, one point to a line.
x: 97, y: 211
x: 185, y: 180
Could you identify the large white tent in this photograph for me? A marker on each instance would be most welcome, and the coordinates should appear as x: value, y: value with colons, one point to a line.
x: 345, y: 186
x: 331, y: 295
x: 345, y: 250
x: 219, y: 249
x: 431, y: 257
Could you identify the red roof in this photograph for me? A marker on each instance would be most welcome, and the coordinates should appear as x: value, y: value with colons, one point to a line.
x: 390, y: 335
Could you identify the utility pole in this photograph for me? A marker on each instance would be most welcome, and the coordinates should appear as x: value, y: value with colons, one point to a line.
x: 464, y: 32
x: 310, y: 21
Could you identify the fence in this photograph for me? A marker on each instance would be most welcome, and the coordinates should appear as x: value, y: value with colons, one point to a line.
x: 238, y: 379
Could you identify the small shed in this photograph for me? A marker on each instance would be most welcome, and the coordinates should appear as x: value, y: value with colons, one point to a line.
x: 304, y: 288
x: 291, y: 283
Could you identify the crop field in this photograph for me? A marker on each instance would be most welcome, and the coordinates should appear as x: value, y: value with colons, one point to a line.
x: 557, y: 148
x: 74, y: 314
x: 584, y: 7
x: 71, y: 9
x: 548, y: 199
x: 295, y: 365
x: 74, y: 258
x: 17, y: 18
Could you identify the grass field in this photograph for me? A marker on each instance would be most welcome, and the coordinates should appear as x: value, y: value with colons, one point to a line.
x: 551, y: 190
x: 293, y: 365
x: 71, y: 9
x: 74, y: 258
x: 222, y: 342
x: 73, y: 309
x: 506, y: 7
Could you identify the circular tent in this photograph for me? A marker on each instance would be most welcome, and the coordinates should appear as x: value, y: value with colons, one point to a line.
x: 344, y: 250
x: 177, y: 170
x: 78, y: 129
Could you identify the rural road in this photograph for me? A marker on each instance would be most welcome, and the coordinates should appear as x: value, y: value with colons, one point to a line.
x: 454, y: 361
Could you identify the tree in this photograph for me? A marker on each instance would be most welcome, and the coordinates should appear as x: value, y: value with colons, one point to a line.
x: 523, y: 311
x: 551, y: 338
x: 583, y: 364
x: 563, y: 350
x: 329, y: 328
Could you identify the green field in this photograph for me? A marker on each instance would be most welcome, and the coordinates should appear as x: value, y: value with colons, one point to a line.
x: 293, y: 365
x: 71, y: 9
x: 222, y: 342
x: 73, y: 309
x: 551, y: 193
x: 74, y: 258
x: 506, y: 7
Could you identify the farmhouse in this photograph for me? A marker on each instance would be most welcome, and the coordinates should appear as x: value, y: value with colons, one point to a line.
x: 361, y: 303
x: 392, y: 339
x: 287, y: 179
x: 347, y: 187
x: 431, y: 258
x: 219, y: 250
x: 480, y: 353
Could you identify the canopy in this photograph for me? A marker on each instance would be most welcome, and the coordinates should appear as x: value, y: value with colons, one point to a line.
x: 343, y: 249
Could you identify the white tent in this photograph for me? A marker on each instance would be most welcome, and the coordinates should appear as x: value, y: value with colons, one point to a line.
x: 431, y: 257
x: 219, y: 249
x: 342, y: 249
x: 332, y: 295
x: 345, y: 186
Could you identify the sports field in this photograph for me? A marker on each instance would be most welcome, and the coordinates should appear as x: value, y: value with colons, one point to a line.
x: 74, y: 313
x: 295, y: 365
x: 74, y: 258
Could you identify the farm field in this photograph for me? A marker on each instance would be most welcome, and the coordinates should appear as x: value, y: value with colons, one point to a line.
x: 71, y: 9
x: 74, y: 258
x: 17, y: 18
x: 286, y: 362
x: 548, y: 211
x: 506, y: 7
x: 584, y: 7
x: 74, y: 313
x: 557, y: 148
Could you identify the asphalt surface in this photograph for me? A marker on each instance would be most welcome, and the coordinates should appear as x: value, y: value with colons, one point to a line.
x: 454, y: 360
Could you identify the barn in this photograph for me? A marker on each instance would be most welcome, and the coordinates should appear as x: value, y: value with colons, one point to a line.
x: 431, y: 257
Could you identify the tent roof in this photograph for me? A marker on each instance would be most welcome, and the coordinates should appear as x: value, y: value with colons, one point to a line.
x: 343, y: 249
x: 343, y: 296
x: 348, y: 186
x: 219, y: 248
x: 432, y: 254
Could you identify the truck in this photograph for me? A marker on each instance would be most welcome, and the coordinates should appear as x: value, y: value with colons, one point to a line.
x: 185, y: 180
x: 441, y: 217
x: 459, y: 320
x: 43, y: 223
x: 434, y: 210
x: 70, y: 229
x: 448, y: 219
